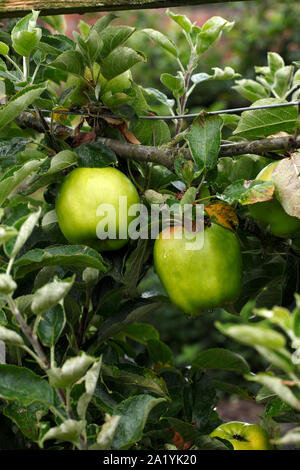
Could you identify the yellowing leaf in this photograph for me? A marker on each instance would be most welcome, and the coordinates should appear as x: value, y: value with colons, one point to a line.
x: 60, y: 117
x: 223, y: 214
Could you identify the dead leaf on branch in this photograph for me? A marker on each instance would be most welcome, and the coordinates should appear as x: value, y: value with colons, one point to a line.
x: 223, y: 214
x: 287, y: 184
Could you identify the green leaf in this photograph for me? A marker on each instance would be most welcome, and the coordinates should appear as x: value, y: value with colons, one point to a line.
x: 187, y: 431
x: 109, y: 329
x: 120, y: 60
x: 159, y: 96
x: 265, y: 122
x: 25, y: 231
x: 211, y: 32
x: 161, y: 40
x: 24, y: 42
x: 6, y: 233
x: 10, y: 337
x: 58, y: 22
x: 43, y: 50
x: 26, y: 418
x: 150, y: 132
x: 3, y: 48
x: 91, y: 380
x: 292, y: 437
x: 233, y: 389
x: 181, y: 20
x: 3, y: 319
x: 174, y: 83
x: 62, y: 160
x: 277, y: 386
x: 134, y: 413
x: 70, y: 431
x: 141, y: 332
x: 49, y: 295
x: 114, y: 36
x: 95, y: 155
x: 200, y: 400
x: 282, y: 81
x: 252, y: 335
x: 19, y: 103
x: 19, y: 383
x: 250, y: 89
x: 72, y: 370
x: 61, y: 255
x: 142, y: 378
x: 204, y: 140
x: 106, y: 434
x: 278, y: 315
x: 189, y: 197
x: 219, y: 74
x: 245, y: 192
x: 159, y: 352
x: 219, y: 358
x: 14, y: 177
x: 281, y: 359
x: 70, y: 62
x: 275, y: 407
x: 103, y: 22
x: 25, y: 36
x: 9, y: 150
x: 51, y: 325
x: 90, y: 46
x: 7, y: 284
x: 275, y: 62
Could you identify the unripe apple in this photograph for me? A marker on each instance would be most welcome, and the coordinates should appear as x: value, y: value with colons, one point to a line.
x: 79, y: 198
x: 243, y: 436
x: 202, y: 278
x: 271, y: 213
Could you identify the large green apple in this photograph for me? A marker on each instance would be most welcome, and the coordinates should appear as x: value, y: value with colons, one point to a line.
x: 79, y: 198
x: 202, y: 278
x: 243, y: 436
x: 271, y: 213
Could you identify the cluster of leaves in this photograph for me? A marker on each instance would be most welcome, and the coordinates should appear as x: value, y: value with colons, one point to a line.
x: 89, y: 373
x: 280, y: 383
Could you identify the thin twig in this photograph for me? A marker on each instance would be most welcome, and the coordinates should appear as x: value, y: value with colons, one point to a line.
x: 47, y: 131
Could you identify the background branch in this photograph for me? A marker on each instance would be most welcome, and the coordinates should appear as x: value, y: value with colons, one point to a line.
x: 17, y: 8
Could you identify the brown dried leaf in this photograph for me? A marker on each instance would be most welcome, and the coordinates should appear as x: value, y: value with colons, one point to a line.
x: 129, y: 136
x: 83, y: 138
x: 179, y: 442
x: 223, y: 214
x: 111, y: 121
x: 278, y: 134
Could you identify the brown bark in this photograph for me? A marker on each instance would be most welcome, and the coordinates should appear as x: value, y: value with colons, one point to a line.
x: 17, y: 8
x: 167, y: 157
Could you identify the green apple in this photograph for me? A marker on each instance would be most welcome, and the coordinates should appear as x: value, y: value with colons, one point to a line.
x: 78, y: 201
x: 271, y: 213
x: 243, y: 436
x: 202, y: 278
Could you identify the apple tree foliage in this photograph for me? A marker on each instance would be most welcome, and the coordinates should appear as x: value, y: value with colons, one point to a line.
x: 83, y: 366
